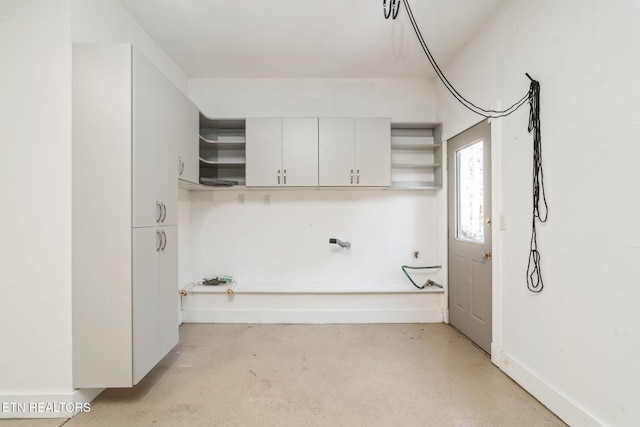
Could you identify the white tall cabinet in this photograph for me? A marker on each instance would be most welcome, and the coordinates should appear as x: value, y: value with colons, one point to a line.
x: 354, y: 152
x: 282, y: 152
x: 125, y: 299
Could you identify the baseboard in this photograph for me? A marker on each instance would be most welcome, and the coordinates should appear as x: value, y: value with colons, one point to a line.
x: 65, y: 405
x: 558, y: 403
x: 312, y: 307
x: 311, y: 316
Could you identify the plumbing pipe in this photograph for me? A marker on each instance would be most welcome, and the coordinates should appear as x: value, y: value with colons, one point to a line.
x: 185, y: 291
x: 231, y: 287
x: 340, y: 243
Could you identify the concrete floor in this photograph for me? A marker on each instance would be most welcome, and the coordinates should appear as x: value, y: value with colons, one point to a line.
x: 317, y: 375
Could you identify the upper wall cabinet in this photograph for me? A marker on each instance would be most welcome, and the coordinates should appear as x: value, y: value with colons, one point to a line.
x: 282, y: 152
x: 188, y: 118
x: 355, y: 152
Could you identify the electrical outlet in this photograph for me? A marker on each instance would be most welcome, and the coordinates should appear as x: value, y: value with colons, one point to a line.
x: 241, y: 199
x: 267, y: 199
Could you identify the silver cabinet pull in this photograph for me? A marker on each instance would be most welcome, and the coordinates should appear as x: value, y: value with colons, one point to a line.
x: 352, y: 176
x: 164, y: 244
x: 278, y: 176
x: 164, y: 212
x: 285, y: 177
x: 158, y: 240
x: 358, y: 177
x: 158, y: 211
x: 180, y: 166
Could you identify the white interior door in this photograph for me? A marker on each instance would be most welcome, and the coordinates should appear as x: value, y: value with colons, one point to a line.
x: 469, y: 178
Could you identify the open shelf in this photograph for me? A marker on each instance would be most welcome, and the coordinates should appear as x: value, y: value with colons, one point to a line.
x: 222, y: 150
x: 416, y: 156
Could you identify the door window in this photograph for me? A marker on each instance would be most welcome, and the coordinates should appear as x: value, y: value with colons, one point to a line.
x: 470, y: 193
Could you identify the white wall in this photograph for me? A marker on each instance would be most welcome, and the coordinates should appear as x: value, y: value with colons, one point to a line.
x: 401, y: 100
x: 106, y: 21
x: 284, y: 245
x: 575, y: 346
x: 35, y: 194
x: 35, y: 185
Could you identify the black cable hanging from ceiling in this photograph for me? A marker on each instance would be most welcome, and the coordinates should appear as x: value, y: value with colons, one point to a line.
x: 391, y: 8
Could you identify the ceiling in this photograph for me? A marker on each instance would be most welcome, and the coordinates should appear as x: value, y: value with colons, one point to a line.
x: 307, y: 38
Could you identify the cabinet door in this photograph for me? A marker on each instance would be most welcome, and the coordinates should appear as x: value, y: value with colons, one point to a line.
x: 188, y: 143
x: 155, y: 105
x: 264, y: 152
x: 373, y: 152
x: 168, y: 146
x: 300, y: 152
x: 146, y: 301
x: 168, y: 288
x: 336, y: 151
x: 148, y: 157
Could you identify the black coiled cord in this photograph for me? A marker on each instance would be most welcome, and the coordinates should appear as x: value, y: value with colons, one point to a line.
x: 534, y: 270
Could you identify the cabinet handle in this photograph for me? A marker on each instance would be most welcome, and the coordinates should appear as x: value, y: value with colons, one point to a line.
x: 285, y: 177
x: 352, y: 176
x: 180, y: 166
x: 158, y: 211
x: 278, y: 176
x: 164, y: 244
x: 158, y: 240
x: 358, y: 177
x: 163, y: 212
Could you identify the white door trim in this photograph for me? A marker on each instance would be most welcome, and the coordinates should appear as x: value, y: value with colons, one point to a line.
x: 496, y: 204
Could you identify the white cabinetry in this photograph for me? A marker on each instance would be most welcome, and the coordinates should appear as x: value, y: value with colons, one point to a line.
x: 155, y: 124
x: 124, y: 256
x: 188, y: 124
x: 155, y: 276
x: 222, y: 151
x: 416, y: 156
x: 354, y: 152
x: 282, y: 152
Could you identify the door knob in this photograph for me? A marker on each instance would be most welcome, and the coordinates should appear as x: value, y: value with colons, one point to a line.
x: 486, y: 255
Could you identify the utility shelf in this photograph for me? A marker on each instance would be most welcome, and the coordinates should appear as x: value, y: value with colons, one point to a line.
x: 416, y: 156
x: 222, y: 150
x: 222, y: 162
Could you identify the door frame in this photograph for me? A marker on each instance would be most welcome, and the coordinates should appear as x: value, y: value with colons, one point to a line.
x: 498, y: 223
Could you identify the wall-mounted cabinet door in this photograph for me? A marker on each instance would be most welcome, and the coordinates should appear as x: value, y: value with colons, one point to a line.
x: 264, y: 152
x: 336, y: 152
x: 282, y: 152
x: 373, y: 152
x: 355, y: 152
x: 188, y: 140
x: 300, y: 152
